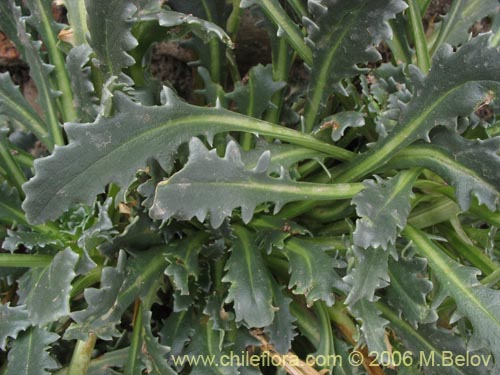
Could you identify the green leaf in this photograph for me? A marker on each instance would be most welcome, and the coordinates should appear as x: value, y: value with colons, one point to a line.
x: 28, y: 354
x: 12, y: 321
x: 282, y: 330
x: 153, y: 354
x: 10, y: 205
x: 46, y: 291
x: 29, y: 240
x: 14, y: 105
x: 343, y: 34
x: 84, y: 96
x: 369, y: 274
x: 183, y: 259
x: 214, y: 185
x: 282, y: 155
x: 275, y: 12
x: 408, y: 290
x: 39, y: 70
x: 81, y: 170
x: 120, y: 286
x: 100, y: 231
x: 110, y: 25
x: 339, y: 122
x: 454, y: 29
x: 372, y: 328
x: 476, y: 302
x: 457, y: 84
x: 384, y: 207
x: 140, y: 234
x: 41, y: 19
x: 470, y: 166
x: 205, y: 344
x: 428, y: 344
x: 312, y: 271
x: 251, y: 288
x: 254, y: 97
x: 213, y: 92
x: 77, y: 19
x: 273, y: 231
x: 184, y: 23
x: 176, y: 331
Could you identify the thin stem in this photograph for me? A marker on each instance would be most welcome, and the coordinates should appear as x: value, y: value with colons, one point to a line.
x: 292, y: 33
x: 398, y: 44
x: 338, y: 314
x: 423, y: 5
x: 423, y: 57
x: 233, y: 22
x: 214, y: 47
x: 86, y: 281
x: 280, y: 73
x: 440, y: 211
x: 299, y: 8
x: 492, y: 279
x: 470, y: 252
x: 306, y: 323
x: 56, y: 58
x: 136, y: 341
x: 448, y: 24
x: 82, y: 355
x: 326, y: 346
x: 24, y: 260
x: 14, y: 172
x: 77, y: 17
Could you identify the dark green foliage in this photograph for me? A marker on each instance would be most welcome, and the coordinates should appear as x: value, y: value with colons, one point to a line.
x: 160, y: 236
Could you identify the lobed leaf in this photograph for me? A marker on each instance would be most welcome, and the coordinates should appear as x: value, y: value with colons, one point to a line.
x: 10, y: 205
x: 343, y: 34
x: 430, y: 341
x: 212, y: 185
x: 28, y: 354
x: 153, y: 354
x: 205, y: 343
x: 14, y: 105
x: 120, y: 286
x: 76, y: 173
x: 29, y: 240
x: 369, y: 274
x: 12, y: 321
x: 46, y: 291
x: 176, y: 331
x: 183, y: 259
x: 470, y: 166
x: 339, y: 122
x: 84, y: 97
x: 251, y: 288
x: 372, y: 327
x: 282, y: 330
x: 185, y: 23
x: 384, y: 207
x: 110, y: 25
x: 312, y: 271
x: 408, y: 290
x: 476, y: 302
x: 254, y: 97
x: 454, y: 29
x: 457, y: 84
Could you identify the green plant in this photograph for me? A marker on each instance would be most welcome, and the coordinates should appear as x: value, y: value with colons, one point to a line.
x: 351, y: 216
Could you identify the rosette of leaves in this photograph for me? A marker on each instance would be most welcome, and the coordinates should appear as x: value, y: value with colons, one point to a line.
x: 141, y: 232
